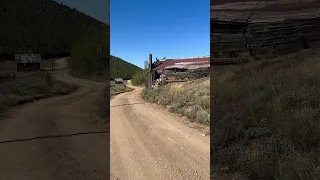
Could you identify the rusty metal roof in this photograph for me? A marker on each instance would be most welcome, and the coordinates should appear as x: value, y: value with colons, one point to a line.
x: 184, y: 63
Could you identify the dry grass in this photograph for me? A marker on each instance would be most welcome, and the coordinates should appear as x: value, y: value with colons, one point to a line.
x: 11, y: 65
x: 266, y: 119
x: 190, y: 99
x: 29, y: 87
x: 7, y: 65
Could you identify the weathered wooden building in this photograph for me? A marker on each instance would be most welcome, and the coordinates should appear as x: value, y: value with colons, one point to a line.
x: 248, y: 30
x: 28, y: 62
x: 184, y: 66
x: 173, y: 70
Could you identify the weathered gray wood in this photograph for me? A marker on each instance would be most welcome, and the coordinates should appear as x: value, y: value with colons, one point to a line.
x: 226, y: 38
x: 150, y: 62
x: 263, y: 39
x: 224, y: 61
x: 150, y: 74
x: 196, y: 73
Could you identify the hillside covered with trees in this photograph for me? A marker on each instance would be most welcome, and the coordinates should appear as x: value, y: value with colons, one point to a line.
x: 121, y: 68
x: 45, y: 27
x: 90, y: 56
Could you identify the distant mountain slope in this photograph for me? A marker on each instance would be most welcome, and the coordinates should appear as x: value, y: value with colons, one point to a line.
x: 42, y: 26
x: 121, y: 68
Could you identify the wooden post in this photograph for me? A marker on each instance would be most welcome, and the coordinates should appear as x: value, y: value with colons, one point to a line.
x: 51, y: 64
x: 150, y: 74
x: 150, y: 62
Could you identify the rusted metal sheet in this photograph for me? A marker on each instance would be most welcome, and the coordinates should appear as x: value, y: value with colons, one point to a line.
x: 190, y: 65
x: 183, y: 62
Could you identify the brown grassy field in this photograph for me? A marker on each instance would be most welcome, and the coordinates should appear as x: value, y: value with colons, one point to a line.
x: 29, y: 87
x: 6, y: 65
x: 266, y: 118
x: 190, y: 99
x: 118, y: 88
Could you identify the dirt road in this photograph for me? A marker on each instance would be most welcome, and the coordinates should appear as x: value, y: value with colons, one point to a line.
x: 149, y: 143
x: 57, y: 138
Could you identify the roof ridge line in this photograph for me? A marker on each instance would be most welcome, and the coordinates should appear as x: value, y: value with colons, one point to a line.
x: 191, y: 57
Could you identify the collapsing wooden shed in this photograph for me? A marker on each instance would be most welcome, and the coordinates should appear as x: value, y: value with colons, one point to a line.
x: 176, y: 70
x: 246, y: 30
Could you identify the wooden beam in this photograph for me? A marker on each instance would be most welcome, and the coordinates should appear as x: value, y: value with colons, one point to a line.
x: 225, y: 61
x: 150, y: 62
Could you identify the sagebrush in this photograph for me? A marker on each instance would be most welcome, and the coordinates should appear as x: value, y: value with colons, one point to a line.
x: 191, y: 99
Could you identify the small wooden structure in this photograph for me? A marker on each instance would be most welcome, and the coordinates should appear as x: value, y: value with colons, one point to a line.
x: 118, y: 81
x: 28, y: 62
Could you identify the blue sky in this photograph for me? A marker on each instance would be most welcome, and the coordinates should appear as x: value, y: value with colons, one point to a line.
x: 164, y: 28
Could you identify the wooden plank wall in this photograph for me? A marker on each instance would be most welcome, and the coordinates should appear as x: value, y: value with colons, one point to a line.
x: 261, y: 40
x: 191, y: 74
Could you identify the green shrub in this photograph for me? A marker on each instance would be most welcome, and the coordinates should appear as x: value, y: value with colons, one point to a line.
x: 139, y: 78
x: 121, y: 68
x: 90, y: 55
